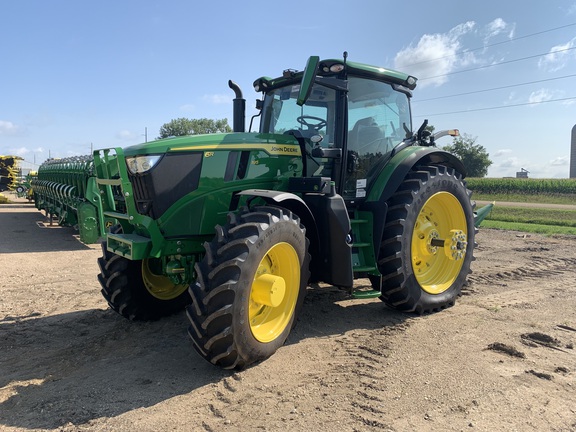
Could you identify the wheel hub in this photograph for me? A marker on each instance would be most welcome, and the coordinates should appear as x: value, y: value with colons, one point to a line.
x: 158, y: 285
x: 269, y: 290
x: 454, y: 247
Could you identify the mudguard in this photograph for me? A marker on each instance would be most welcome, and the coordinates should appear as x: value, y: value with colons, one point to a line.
x: 327, y: 228
x: 394, y: 172
x: 393, y: 175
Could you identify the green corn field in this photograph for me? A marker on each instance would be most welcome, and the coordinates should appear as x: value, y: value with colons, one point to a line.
x: 509, y: 186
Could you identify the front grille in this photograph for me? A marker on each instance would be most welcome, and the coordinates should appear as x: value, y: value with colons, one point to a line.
x: 174, y: 176
x: 141, y: 194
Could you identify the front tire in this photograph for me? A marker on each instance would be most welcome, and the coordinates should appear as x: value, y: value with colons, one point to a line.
x: 428, y: 241
x: 250, y: 287
x: 135, y: 290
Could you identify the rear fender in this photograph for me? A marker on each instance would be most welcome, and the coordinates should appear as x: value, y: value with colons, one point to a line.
x: 395, y: 171
x: 393, y: 175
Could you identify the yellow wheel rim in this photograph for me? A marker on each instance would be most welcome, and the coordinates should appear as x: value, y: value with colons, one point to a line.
x: 159, y: 286
x: 274, y: 292
x: 439, y: 242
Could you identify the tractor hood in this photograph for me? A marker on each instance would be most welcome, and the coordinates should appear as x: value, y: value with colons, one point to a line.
x: 273, y: 144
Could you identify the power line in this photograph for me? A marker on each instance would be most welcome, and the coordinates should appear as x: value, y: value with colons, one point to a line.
x: 497, y: 64
x: 495, y: 108
x: 491, y: 45
x: 494, y: 88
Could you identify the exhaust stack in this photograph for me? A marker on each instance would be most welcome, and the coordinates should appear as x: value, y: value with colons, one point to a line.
x: 239, y: 108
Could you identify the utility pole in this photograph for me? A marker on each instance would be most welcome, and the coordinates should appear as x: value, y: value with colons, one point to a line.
x: 573, y: 154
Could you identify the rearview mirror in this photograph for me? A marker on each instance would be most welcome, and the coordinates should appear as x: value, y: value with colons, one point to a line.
x: 308, y: 78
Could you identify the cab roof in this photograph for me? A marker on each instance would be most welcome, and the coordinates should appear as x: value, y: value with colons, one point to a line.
x: 329, y: 67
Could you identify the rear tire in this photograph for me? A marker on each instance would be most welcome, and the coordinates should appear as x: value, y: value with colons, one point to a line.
x: 250, y: 287
x: 420, y: 273
x: 133, y: 290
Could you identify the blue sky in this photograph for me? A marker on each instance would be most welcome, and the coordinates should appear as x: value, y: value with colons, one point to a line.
x: 81, y: 74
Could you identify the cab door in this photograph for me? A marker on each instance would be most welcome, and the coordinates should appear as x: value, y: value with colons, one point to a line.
x: 378, y: 120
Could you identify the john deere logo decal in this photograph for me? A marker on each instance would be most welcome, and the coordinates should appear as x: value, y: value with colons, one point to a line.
x: 271, y: 149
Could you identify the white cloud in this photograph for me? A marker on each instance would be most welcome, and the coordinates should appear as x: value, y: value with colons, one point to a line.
x: 543, y: 95
x: 556, y: 168
x: 497, y: 27
x: 537, y: 168
x: 502, y: 152
x: 562, y: 160
x: 217, y: 99
x: 510, y: 162
x: 8, y: 128
x: 558, y: 57
x: 539, y: 96
x: 434, y: 55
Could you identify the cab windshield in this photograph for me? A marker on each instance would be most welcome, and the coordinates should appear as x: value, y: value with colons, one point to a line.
x: 281, y: 113
x: 378, y: 115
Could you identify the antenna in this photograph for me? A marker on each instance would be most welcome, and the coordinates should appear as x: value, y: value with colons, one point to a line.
x: 345, y: 55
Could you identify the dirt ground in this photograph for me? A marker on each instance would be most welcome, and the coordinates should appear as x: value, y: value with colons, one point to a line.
x: 502, y: 359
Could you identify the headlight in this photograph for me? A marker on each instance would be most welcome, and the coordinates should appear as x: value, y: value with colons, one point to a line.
x: 141, y: 164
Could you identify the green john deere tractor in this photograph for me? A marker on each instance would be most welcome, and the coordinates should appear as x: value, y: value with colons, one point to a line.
x: 334, y: 186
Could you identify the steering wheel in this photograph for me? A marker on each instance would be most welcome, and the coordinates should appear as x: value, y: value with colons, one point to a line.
x: 303, y: 120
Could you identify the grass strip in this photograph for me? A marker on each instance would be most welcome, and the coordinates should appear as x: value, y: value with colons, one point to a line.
x: 529, y: 227
x: 540, y: 216
x: 526, y: 198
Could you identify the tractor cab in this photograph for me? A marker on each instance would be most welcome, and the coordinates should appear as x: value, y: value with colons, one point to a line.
x: 348, y: 118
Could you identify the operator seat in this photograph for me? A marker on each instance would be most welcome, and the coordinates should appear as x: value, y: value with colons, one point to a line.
x: 366, y: 137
